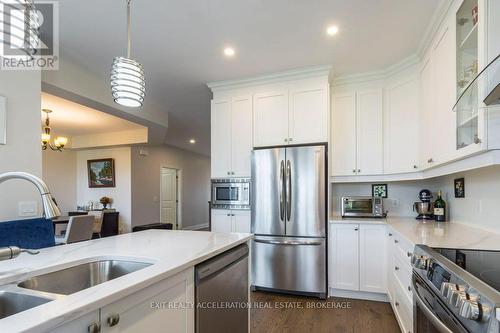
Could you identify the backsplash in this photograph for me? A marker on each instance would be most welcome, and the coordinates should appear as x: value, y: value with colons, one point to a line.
x: 478, y: 208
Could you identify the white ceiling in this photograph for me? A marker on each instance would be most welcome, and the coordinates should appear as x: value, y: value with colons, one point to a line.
x: 72, y: 119
x: 180, y: 44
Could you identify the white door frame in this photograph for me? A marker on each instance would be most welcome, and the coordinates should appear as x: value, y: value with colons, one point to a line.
x: 179, y: 194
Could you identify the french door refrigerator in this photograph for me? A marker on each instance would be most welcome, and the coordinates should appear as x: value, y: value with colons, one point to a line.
x: 289, y: 219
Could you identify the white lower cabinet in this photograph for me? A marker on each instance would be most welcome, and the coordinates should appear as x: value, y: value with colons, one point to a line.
x: 167, y: 304
x: 399, y: 273
x: 225, y: 220
x: 357, y: 257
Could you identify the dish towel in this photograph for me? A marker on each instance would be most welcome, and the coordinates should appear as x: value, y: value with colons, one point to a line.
x: 27, y: 234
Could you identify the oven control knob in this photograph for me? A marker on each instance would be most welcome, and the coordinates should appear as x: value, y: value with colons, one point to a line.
x: 446, y: 288
x: 470, y: 309
x: 419, y: 262
x: 454, y: 296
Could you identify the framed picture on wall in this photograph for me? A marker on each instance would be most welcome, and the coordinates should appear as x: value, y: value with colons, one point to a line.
x: 101, y: 172
x: 459, y: 188
x: 379, y: 190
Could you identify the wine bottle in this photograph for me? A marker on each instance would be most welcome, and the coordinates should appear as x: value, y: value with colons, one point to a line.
x: 440, y: 208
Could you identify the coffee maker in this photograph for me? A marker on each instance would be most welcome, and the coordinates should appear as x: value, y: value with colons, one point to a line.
x: 424, y: 207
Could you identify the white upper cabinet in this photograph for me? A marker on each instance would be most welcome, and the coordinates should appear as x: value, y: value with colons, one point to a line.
x: 241, y: 136
x: 231, y: 132
x: 357, y: 133
x: 344, y: 134
x: 401, y: 127
x: 369, y: 124
x: 296, y: 114
x: 220, y: 138
x: 308, y: 114
x: 270, y: 118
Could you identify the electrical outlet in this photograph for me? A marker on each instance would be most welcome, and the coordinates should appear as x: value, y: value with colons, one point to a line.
x: 395, y: 202
x: 27, y: 208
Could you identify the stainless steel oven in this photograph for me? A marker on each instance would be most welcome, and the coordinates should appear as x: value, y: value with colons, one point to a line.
x: 452, y: 291
x: 231, y: 193
x: 362, y: 206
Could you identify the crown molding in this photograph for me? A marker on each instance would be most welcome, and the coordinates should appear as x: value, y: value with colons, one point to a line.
x: 378, y: 74
x: 302, y: 73
x: 436, y: 20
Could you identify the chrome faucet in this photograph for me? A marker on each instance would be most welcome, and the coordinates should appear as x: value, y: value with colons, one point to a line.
x: 50, y: 209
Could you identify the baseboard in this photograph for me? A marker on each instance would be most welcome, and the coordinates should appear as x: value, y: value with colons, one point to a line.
x: 196, y: 227
x: 358, y: 295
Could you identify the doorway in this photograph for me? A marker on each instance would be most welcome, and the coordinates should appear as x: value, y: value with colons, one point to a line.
x: 169, y: 197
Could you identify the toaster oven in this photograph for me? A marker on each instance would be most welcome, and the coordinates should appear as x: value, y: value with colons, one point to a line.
x: 362, y: 206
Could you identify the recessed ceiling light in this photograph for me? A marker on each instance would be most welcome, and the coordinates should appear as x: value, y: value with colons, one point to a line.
x: 332, y: 30
x: 229, y: 51
x: 192, y: 141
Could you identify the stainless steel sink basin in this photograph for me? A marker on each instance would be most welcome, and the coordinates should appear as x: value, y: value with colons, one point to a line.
x: 12, y: 303
x: 83, y: 276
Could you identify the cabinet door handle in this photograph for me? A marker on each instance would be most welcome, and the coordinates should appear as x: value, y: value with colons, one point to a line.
x: 390, y: 235
x: 94, y: 328
x: 409, y: 254
x: 397, y: 303
x: 286, y: 140
x: 113, y: 320
x: 415, y: 166
x: 353, y: 170
x: 430, y: 160
x: 396, y: 241
x: 409, y: 288
x: 396, y: 268
x: 290, y: 139
x: 228, y: 172
x: 356, y: 229
x: 359, y: 170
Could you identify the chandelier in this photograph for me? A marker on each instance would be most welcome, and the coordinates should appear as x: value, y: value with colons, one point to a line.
x: 19, y: 28
x: 128, y: 86
x: 59, y: 142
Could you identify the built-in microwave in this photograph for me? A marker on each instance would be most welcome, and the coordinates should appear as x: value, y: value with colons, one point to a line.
x: 362, y: 206
x: 231, y: 193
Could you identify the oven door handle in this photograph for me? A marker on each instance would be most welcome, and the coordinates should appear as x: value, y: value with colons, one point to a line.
x: 438, y: 324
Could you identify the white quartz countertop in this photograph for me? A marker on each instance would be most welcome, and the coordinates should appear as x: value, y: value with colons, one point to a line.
x: 434, y: 234
x: 169, y: 251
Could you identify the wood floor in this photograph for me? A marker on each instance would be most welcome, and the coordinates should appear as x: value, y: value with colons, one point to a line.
x: 274, y: 313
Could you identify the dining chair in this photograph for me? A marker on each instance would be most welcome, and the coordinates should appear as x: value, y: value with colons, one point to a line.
x: 79, y: 229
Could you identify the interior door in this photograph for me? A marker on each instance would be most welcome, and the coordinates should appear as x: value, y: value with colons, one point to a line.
x: 268, y: 199
x: 305, y: 169
x: 168, y: 197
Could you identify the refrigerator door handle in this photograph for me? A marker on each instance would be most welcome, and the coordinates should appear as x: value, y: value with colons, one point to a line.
x: 287, y: 242
x: 282, y: 190
x: 289, y: 190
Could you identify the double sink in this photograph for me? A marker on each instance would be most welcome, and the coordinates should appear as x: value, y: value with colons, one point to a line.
x: 41, y: 289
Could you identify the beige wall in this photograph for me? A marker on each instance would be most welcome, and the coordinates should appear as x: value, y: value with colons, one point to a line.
x: 22, y: 151
x: 59, y: 172
x: 120, y: 194
x: 146, y: 184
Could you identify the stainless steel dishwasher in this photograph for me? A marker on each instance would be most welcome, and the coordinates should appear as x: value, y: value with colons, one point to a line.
x: 222, y: 292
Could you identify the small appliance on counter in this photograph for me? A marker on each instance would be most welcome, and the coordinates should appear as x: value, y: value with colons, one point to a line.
x: 424, y: 207
x: 362, y: 206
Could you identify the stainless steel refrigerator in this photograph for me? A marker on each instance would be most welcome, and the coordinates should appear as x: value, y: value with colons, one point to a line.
x: 289, y: 219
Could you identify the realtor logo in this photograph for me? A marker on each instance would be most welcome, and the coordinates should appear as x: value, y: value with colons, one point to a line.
x: 29, y: 35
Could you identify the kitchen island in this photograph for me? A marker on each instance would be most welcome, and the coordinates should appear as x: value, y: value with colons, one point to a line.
x: 160, y: 294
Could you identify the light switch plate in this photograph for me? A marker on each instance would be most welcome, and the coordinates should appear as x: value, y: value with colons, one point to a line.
x: 28, y: 208
x: 3, y: 120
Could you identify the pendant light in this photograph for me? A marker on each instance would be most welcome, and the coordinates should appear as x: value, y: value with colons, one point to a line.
x: 19, y: 28
x: 59, y: 142
x: 127, y: 76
